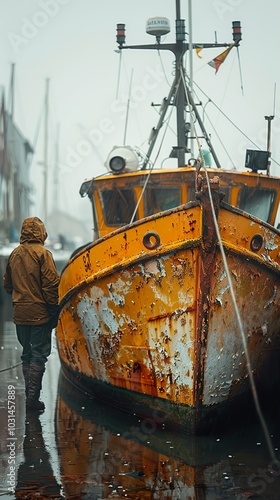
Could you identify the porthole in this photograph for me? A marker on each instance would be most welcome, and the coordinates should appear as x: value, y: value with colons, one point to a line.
x: 256, y: 242
x: 151, y: 240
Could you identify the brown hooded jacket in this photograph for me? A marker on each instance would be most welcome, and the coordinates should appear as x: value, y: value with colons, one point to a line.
x: 31, y: 276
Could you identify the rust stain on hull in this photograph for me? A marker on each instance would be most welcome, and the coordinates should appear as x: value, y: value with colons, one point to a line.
x: 159, y: 321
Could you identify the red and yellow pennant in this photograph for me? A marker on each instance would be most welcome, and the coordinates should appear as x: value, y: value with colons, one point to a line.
x: 217, y: 61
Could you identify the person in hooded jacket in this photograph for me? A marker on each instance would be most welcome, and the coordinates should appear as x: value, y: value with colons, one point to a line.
x: 32, y: 280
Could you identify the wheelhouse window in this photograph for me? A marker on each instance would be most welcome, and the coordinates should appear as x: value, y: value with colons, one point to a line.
x: 225, y: 190
x: 258, y: 202
x: 159, y: 199
x: 118, y: 206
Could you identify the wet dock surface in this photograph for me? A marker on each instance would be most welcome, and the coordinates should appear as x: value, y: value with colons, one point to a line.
x: 82, y: 449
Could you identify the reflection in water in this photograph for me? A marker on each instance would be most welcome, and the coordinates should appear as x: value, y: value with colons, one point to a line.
x: 35, y: 475
x: 105, y: 453
x: 34, y: 466
x: 95, y: 452
x: 108, y: 454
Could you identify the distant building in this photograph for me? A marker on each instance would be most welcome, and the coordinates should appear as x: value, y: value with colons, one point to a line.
x: 15, y: 188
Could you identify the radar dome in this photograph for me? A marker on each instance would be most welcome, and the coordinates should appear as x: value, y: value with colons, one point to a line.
x: 158, y: 26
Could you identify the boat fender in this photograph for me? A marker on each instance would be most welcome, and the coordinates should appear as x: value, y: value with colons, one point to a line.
x: 151, y: 240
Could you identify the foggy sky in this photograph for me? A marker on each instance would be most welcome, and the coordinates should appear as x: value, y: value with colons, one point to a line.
x: 73, y: 43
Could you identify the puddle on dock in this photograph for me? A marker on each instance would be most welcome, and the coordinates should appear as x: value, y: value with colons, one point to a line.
x: 82, y: 449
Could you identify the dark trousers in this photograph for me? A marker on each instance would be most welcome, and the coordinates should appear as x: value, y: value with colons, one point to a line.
x: 36, y: 342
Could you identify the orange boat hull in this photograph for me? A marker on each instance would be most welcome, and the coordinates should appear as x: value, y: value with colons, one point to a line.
x: 147, y: 320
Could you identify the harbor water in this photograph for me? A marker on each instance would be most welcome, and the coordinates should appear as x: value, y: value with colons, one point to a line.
x: 80, y: 448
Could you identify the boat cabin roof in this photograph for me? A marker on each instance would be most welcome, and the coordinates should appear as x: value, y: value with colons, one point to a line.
x: 119, y: 199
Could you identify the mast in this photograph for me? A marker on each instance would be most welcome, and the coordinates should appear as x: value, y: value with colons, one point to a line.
x: 56, y: 172
x: 177, y: 96
x: 191, y: 74
x: 268, y: 145
x: 12, y: 90
x: 12, y: 208
x: 180, y: 100
x: 269, y: 120
x: 45, y: 186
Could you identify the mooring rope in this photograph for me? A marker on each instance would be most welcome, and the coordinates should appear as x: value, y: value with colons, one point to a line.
x: 240, y: 326
x: 10, y: 367
x: 237, y: 313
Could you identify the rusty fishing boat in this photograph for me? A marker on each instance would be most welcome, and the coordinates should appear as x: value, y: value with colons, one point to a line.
x: 180, y: 285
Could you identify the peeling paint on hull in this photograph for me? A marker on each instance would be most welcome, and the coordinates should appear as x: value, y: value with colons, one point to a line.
x: 154, y: 330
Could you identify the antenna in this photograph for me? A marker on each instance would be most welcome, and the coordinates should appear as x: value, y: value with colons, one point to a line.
x: 177, y: 95
x: 127, y: 108
x: 274, y: 100
x: 192, y: 131
x: 46, y: 145
x: 269, y: 120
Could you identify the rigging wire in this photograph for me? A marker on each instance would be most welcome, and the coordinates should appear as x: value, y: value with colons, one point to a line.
x: 38, y: 128
x: 169, y: 126
x: 163, y: 68
x: 240, y: 71
x: 127, y: 108
x: 119, y: 74
x: 229, y: 77
x: 164, y: 134
x: 231, y: 122
x: 153, y: 164
x: 122, y: 63
x: 149, y: 174
x: 236, y: 310
x: 220, y: 140
x: 141, y: 194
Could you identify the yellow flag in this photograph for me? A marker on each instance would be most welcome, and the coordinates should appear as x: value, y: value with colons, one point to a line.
x: 198, y: 50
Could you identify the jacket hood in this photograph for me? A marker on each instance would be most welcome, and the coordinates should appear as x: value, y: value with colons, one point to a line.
x: 33, y: 230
